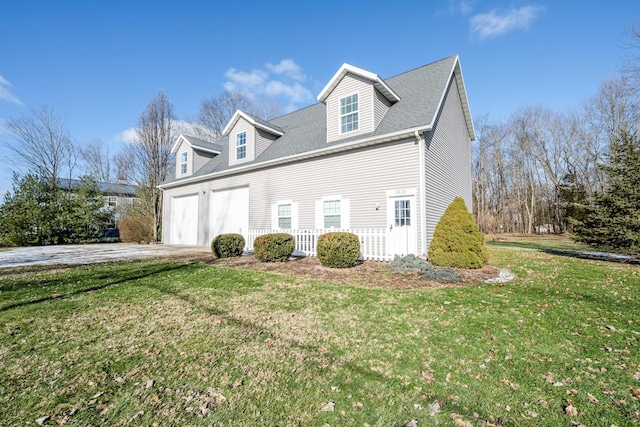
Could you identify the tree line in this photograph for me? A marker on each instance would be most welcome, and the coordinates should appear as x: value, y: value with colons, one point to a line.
x: 541, y: 171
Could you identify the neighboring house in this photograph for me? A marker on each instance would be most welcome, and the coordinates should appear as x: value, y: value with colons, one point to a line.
x: 382, y: 158
x: 116, y: 195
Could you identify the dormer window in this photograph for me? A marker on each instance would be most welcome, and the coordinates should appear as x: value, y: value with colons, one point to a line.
x: 184, y: 156
x: 349, y: 113
x: 241, y: 145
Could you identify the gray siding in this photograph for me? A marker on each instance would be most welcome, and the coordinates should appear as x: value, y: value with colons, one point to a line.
x: 263, y: 140
x: 200, y: 158
x: 381, y: 106
x: 447, y: 160
x: 241, y: 126
x: 349, y: 85
x: 362, y: 176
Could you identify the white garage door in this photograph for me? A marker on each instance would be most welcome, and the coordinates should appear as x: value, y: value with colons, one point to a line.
x: 230, y: 212
x: 184, y: 220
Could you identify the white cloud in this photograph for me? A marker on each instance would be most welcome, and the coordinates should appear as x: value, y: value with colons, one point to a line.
x: 281, y: 82
x: 5, y: 93
x: 493, y: 24
x: 127, y: 135
x: 288, y: 68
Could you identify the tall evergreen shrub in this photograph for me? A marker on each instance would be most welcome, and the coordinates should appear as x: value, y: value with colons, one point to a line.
x: 456, y: 239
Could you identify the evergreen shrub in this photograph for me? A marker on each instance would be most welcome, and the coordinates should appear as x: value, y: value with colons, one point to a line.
x: 456, y: 239
x: 227, y: 245
x: 275, y: 247
x: 338, y: 249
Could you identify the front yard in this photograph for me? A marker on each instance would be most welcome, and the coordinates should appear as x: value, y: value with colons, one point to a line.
x: 193, y: 343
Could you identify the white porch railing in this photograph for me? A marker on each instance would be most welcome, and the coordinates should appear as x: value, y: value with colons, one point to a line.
x: 373, y: 241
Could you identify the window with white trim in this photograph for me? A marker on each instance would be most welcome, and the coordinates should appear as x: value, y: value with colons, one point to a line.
x: 349, y: 113
x: 331, y: 213
x: 241, y: 145
x: 284, y: 216
x: 112, y: 201
x: 184, y: 156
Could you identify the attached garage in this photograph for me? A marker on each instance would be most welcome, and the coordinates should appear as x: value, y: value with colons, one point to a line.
x: 229, y: 212
x: 183, y: 226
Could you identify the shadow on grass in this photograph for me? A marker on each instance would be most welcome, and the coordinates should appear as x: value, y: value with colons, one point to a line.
x: 262, y: 331
x: 146, y: 273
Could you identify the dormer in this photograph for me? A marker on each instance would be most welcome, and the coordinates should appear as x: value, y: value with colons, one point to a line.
x: 356, y: 102
x: 249, y: 136
x: 192, y: 153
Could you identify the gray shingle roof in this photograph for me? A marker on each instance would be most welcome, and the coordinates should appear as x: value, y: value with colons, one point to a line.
x: 420, y: 91
x: 201, y: 143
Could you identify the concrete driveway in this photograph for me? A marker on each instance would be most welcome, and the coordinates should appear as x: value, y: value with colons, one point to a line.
x: 88, y: 254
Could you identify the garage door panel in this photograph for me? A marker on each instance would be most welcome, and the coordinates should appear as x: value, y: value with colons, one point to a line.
x: 230, y: 211
x: 184, y: 220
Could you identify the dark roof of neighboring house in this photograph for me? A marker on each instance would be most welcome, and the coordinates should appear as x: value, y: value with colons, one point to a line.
x: 106, y: 188
x: 420, y: 90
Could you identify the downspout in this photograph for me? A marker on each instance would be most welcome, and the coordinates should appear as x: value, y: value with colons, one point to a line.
x: 423, y: 191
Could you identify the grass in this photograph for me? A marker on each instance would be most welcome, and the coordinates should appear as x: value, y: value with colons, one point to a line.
x: 177, y: 343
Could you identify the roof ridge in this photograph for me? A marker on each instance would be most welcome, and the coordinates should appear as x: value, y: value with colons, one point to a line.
x: 422, y: 66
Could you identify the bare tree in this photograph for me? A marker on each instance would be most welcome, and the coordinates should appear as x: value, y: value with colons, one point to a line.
x: 97, y: 161
x: 151, y: 154
x: 215, y: 112
x: 43, y: 144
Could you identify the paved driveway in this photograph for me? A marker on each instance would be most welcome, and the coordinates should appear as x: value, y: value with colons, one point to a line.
x: 87, y: 254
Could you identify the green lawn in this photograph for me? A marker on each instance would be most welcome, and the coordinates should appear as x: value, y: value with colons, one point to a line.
x: 174, y: 343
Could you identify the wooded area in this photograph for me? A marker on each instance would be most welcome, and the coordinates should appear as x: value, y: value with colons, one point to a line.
x: 533, y: 170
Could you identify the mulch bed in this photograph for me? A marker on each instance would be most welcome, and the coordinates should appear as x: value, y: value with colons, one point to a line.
x: 369, y: 274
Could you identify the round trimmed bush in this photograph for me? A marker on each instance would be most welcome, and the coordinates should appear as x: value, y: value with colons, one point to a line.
x: 275, y: 247
x: 456, y: 239
x: 338, y: 249
x: 227, y: 245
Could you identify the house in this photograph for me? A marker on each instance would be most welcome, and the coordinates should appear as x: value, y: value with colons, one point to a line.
x: 380, y: 157
x: 116, y: 195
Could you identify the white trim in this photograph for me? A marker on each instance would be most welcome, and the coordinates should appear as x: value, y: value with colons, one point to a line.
x: 456, y: 72
x: 238, y: 114
x: 345, y: 146
x: 401, y: 192
x: 347, y: 68
x: 422, y: 173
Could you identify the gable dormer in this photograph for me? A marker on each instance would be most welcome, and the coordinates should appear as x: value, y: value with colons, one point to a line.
x: 191, y: 154
x: 248, y: 136
x: 356, y: 101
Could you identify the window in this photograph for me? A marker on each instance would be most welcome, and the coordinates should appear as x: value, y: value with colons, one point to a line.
x: 112, y: 201
x: 331, y: 213
x: 183, y: 162
x: 403, y: 213
x: 241, y: 145
x: 284, y: 216
x: 349, y: 113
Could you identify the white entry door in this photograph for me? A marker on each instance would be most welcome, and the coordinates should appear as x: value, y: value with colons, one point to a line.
x: 183, y: 226
x: 401, y: 225
x: 230, y: 212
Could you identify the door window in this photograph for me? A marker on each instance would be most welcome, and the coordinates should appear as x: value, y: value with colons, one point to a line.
x: 402, y: 213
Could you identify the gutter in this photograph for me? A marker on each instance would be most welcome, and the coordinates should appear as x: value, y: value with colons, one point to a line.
x: 423, y: 191
x: 352, y: 145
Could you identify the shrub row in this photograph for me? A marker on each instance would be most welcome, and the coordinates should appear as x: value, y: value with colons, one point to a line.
x: 337, y: 250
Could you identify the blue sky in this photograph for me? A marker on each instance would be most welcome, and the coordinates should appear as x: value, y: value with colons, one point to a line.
x: 100, y: 62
